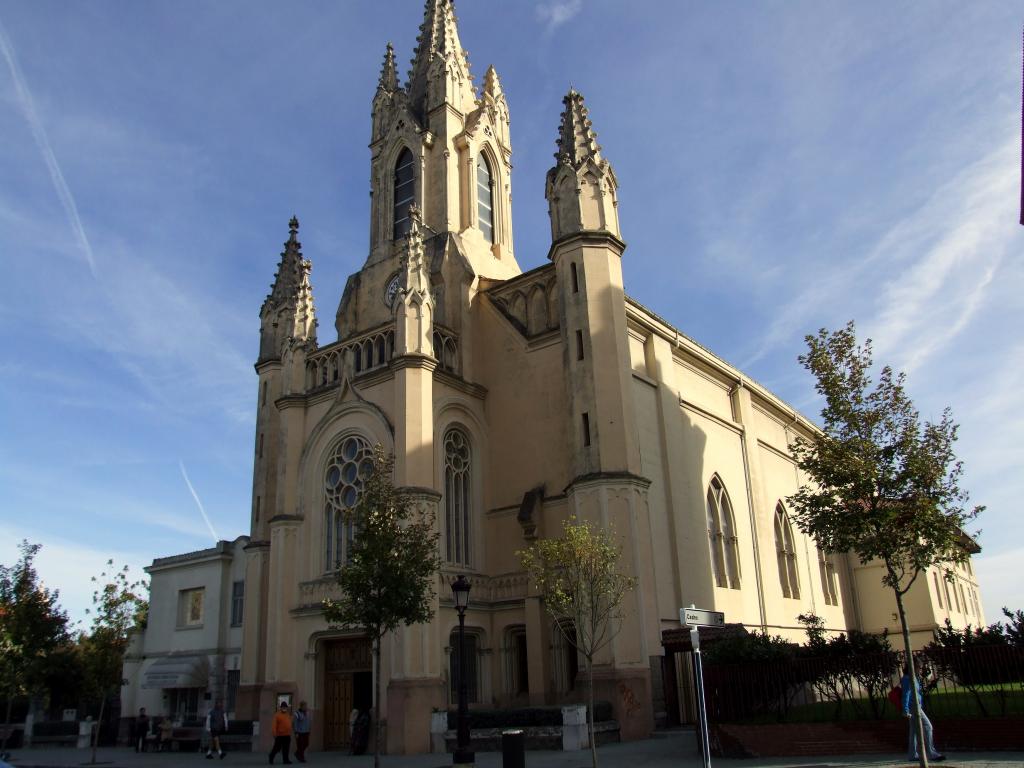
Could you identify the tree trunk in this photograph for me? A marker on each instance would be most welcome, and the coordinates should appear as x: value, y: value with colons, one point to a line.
x: 590, y: 712
x: 376, y: 704
x: 96, y: 728
x: 915, y: 693
x: 7, y: 725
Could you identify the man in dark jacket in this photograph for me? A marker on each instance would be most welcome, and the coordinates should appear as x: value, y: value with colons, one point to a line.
x: 141, y: 730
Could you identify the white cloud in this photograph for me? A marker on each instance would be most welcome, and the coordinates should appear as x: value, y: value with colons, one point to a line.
x: 108, y: 506
x: 952, y: 247
x: 206, y: 519
x: 555, y: 13
x: 1001, y: 580
x: 60, y: 185
x: 925, y: 279
x: 68, y: 566
x: 167, y: 336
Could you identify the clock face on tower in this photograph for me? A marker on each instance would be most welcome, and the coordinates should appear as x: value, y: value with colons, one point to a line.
x: 391, y: 291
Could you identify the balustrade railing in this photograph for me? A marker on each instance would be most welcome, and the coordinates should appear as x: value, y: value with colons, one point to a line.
x: 327, y: 366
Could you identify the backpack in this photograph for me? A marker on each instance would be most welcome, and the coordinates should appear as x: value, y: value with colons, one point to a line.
x: 896, y: 697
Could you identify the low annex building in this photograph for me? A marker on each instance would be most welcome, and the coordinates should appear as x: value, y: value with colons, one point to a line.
x: 512, y: 400
x: 189, y: 653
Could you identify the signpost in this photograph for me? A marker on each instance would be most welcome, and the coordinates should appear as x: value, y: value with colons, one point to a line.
x: 698, y: 617
x: 695, y: 618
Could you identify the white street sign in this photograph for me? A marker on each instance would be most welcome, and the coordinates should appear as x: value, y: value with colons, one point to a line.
x: 698, y: 617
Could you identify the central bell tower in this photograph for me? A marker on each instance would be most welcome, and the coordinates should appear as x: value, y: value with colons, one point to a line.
x: 439, y: 144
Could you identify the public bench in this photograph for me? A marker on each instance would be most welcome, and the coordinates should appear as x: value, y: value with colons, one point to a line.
x: 186, y: 739
x: 195, y: 738
x: 57, y: 733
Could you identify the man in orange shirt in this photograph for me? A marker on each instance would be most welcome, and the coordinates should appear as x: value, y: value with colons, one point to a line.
x: 282, y: 730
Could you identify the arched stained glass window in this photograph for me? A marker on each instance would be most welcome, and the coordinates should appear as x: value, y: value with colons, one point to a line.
x: 785, y: 551
x: 405, y: 192
x: 722, y: 537
x: 458, y: 458
x: 349, y: 466
x: 484, y: 197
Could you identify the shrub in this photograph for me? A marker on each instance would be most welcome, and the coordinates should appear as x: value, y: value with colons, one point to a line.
x: 524, y: 717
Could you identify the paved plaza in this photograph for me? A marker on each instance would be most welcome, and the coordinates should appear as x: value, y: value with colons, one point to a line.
x: 666, y: 750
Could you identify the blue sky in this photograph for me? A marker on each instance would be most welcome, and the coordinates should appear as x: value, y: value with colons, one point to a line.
x: 783, y: 166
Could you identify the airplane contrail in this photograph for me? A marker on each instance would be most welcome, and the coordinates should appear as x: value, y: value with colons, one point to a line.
x: 199, y: 504
x: 28, y: 106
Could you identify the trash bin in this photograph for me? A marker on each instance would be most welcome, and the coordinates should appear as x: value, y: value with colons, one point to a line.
x: 513, y: 749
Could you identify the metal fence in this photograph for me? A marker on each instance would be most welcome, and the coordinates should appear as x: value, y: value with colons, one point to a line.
x: 983, y: 681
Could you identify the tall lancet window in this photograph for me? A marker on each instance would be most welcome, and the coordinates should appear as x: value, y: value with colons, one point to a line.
x: 785, y: 551
x: 348, y: 467
x: 484, y: 197
x: 405, y: 192
x: 722, y: 537
x: 458, y: 465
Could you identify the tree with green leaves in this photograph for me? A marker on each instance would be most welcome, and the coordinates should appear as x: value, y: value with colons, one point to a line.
x: 119, y: 608
x: 388, y: 578
x: 882, y: 484
x: 32, y: 628
x: 1014, y: 628
x: 577, y: 576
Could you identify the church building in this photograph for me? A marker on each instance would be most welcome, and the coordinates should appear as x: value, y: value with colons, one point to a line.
x: 512, y: 400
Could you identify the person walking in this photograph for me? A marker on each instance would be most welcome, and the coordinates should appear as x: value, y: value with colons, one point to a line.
x: 216, y: 726
x: 300, y: 725
x: 908, y: 685
x: 282, y: 731
x: 164, y: 734
x: 141, y: 730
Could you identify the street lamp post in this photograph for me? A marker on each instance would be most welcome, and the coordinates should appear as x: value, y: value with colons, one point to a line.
x: 463, y: 755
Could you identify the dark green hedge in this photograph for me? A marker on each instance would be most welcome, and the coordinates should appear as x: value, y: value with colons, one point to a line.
x: 523, y: 717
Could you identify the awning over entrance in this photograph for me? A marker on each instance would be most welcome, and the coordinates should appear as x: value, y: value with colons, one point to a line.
x: 177, y: 672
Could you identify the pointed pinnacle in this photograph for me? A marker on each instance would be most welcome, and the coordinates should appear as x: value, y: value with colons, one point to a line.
x: 492, y: 85
x: 439, y: 36
x: 293, y: 227
x: 388, y: 73
x: 577, y: 141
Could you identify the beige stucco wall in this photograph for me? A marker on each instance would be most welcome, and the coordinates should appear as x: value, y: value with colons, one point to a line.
x: 559, y: 382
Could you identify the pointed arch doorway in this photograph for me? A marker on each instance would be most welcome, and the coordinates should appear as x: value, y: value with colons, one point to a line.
x: 348, y: 685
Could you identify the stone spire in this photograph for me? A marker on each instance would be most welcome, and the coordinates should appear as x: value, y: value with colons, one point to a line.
x: 440, y: 68
x: 388, y: 73
x: 288, y: 313
x: 577, y: 141
x: 414, y: 305
x: 581, y: 189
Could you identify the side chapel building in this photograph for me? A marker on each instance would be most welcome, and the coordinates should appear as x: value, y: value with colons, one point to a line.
x: 512, y: 400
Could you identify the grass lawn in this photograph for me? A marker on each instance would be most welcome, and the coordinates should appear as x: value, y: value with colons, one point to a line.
x: 998, y: 701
